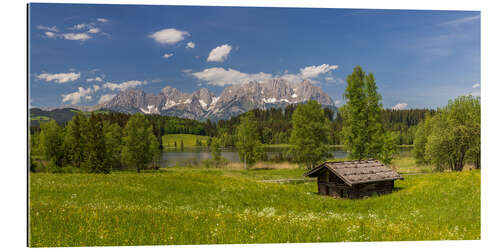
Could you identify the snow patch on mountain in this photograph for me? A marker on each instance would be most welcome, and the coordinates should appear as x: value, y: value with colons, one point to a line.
x: 169, y: 104
x: 151, y: 110
x: 269, y: 100
x: 203, y: 104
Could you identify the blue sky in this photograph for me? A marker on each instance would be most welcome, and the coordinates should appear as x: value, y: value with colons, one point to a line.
x: 83, y: 54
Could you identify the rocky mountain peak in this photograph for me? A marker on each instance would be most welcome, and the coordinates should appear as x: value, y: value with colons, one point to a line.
x: 234, y: 100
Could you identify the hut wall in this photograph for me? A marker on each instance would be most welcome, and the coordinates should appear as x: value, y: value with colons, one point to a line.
x: 331, y: 185
x: 368, y: 189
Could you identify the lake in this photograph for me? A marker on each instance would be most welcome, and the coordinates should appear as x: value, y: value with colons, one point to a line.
x: 196, y: 155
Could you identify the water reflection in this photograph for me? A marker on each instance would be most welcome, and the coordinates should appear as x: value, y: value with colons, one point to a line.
x: 196, y: 156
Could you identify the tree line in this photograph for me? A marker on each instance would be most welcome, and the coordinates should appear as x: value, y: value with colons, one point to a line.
x: 273, y: 125
x: 448, y: 137
x: 95, y: 145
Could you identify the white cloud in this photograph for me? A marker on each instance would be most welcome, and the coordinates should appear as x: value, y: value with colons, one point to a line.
x: 461, y: 20
x: 82, y: 93
x: 221, y: 76
x: 80, y: 26
x: 97, y: 79
x: 190, y: 45
x: 219, y: 54
x: 106, y: 98
x: 59, y: 77
x: 76, y: 36
x: 50, y: 34
x: 338, y: 102
x: 94, y: 30
x: 124, y: 85
x: 169, y: 36
x: 168, y: 55
x: 52, y: 29
x: 334, y: 80
x: 477, y: 85
x: 313, y: 71
x: 102, y: 20
x: 292, y: 77
x: 187, y: 70
x: 400, y: 106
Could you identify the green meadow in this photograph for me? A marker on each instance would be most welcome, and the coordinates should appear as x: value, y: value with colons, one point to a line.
x: 210, y: 206
x: 169, y: 140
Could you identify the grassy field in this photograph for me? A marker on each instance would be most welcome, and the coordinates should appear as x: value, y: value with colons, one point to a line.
x: 206, y: 206
x: 39, y: 118
x: 188, y: 140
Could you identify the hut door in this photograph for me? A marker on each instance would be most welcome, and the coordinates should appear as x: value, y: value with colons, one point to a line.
x: 342, y: 193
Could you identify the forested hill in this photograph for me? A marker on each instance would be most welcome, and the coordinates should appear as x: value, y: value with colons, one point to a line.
x: 61, y: 116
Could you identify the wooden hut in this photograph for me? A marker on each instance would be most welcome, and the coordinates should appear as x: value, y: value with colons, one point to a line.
x: 354, y: 179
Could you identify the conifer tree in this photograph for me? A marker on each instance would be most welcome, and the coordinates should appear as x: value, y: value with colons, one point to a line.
x: 51, y: 143
x: 113, y: 138
x: 74, y: 140
x: 96, y: 154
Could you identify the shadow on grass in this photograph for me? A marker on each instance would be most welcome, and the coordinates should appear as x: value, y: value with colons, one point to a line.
x: 266, y: 168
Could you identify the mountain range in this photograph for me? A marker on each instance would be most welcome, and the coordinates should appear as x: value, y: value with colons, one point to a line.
x: 203, y: 104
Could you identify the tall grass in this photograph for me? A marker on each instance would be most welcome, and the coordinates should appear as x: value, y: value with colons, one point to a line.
x: 206, y: 206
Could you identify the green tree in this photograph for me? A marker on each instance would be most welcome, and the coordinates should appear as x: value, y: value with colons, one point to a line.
x: 215, y: 149
x: 113, y: 138
x: 423, y: 130
x: 74, y: 140
x: 267, y: 135
x: 362, y: 130
x: 34, y: 149
x: 354, y: 132
x: 455, y: 134
x: 375, y: 132
x: 389, y: 148
x: 248, y: 143
x: 155, y: 150
x: 96, y: 154
x: 309, y: 140
x: 137, y: 151
x: 51, y: 141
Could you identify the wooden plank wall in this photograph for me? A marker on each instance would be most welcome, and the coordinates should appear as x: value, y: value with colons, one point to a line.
x: 331, y: 185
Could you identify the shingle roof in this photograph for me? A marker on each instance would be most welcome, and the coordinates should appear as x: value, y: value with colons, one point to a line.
x: 356, y: 172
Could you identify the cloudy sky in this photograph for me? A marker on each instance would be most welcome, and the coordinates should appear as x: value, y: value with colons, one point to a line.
x: 85, y: 54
